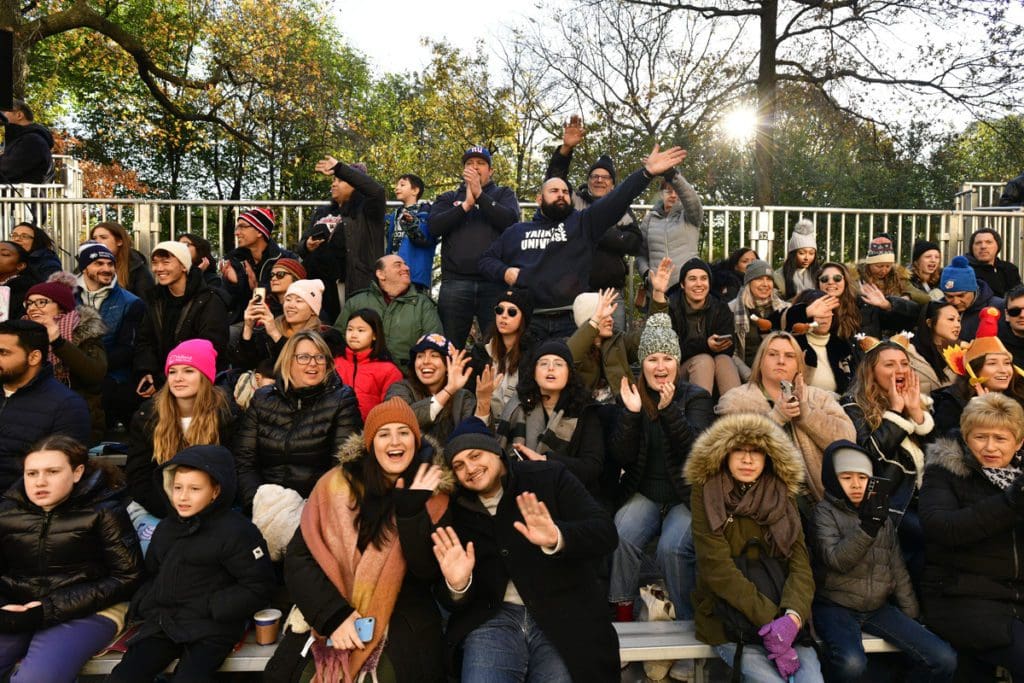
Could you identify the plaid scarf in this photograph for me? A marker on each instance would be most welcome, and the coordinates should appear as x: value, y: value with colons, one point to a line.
x: 535, y: 429
x: 66, y: 324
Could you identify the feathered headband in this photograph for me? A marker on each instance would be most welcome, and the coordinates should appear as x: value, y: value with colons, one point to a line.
x: 959, y: 356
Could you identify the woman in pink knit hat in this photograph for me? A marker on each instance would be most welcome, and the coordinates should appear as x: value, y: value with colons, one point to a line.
x: 187, y: 411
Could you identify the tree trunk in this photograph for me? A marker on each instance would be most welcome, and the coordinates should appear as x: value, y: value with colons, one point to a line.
x: 767, y: 85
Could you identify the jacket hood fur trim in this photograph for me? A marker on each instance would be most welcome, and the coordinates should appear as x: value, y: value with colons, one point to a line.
x: 430, y: 449
x: 951, y: 455
x: 710, y: 451
x: 90, y: 325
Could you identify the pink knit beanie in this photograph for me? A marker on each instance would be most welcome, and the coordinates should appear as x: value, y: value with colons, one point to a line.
x: 196, y: 353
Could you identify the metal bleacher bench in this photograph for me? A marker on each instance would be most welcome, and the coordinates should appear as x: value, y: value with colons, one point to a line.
x: 639, y: 641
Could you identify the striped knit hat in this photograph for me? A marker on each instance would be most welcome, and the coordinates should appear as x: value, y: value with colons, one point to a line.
x: 262, y: 219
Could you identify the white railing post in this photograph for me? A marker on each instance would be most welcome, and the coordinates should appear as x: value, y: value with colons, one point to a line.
x: 762, y: 235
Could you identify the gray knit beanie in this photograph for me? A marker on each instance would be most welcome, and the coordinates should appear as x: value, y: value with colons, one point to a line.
x: 659, y: 337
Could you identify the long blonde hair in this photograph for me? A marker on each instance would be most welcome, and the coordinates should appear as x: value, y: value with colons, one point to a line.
x: 204, y: 430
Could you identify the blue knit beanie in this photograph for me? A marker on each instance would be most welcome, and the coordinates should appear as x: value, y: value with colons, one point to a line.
x: 958, y: 276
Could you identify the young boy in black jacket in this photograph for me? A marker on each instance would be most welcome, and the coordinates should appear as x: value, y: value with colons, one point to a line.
x: 864, y: 574
x: 209, y: 571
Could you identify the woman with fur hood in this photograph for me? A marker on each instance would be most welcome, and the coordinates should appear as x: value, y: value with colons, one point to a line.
x: 810, y: 416
x: 746, y: 475
x: 363, y: 549
x: 76, y: 341
x: 972, y: 507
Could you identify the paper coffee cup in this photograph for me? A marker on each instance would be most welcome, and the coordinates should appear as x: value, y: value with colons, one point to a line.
x: 268, y: 623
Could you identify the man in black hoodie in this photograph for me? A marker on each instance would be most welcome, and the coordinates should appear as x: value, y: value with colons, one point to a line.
x: 983, y: 249
x: 552, y: 255
x: 27, y: 145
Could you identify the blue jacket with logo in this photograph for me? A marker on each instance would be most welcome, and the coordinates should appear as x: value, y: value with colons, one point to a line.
x: 555, y: 258
x: 416, y: 244
x: 122, y: 313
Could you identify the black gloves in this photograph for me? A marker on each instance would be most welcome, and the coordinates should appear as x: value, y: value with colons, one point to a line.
x: 408, y: 502
x: 874, y: 510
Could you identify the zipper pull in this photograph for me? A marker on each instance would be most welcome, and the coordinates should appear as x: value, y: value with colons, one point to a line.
x: 728, y: 520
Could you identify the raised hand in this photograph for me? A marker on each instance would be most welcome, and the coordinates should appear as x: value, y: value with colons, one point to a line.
x: 573, y: 132
x: 896, y: 398
x: 228, y: 271
x: 606, y: 305
x: 486, y: 383
x: 667, y: 392
x: 661, y: 276
x: 472, y: 178
x: 427, y: 478
x: 537, y: 526
x: 912, y: 397
x: 529, y: 453
x: 822, y: 306
x: 799, y: 387
x: 455, y: 561
x: 630, y: 396
x: 326, y: 165
x: 873, y: 295
x: 658, y: 161
x: 459, y: 371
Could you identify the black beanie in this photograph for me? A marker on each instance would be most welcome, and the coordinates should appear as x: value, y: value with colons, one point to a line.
x: 553, y: 347
x: 520, y: 298
x: 604, y: 161
x: 921, y: 246
x: 693, y: 264
x: 471, y: 433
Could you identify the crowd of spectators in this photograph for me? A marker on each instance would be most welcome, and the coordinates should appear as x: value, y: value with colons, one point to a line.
x: 805, y: 451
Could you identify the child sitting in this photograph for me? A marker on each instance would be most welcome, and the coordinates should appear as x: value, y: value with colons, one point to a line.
x: 209, y: 571
x: 864, y: 570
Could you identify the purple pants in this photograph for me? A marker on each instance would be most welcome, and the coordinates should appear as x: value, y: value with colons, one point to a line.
x: 55, y: 654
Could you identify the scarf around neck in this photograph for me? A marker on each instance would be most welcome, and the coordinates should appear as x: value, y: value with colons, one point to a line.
x: 766, y: 502
x: 369, y: 580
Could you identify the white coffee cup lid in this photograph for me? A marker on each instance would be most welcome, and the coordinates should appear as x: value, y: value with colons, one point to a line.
x: 268, y: 614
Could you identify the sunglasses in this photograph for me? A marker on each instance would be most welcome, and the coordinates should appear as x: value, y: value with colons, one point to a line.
x: 279, y: 274
x: 511, y: 310
x: 1014, y: 312
x: 824, y: 278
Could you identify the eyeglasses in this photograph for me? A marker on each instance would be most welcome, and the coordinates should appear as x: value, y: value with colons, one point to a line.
x: 599, y: 176
x: 512, y: 311
x: 38, y: 303
x: 835, y: 278
x: 307, y: 358
x: 1014, y: 312
x: 279, y: 274
x: 22, y: 237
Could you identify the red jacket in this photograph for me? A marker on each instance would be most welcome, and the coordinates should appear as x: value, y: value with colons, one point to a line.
x: 370, y: 378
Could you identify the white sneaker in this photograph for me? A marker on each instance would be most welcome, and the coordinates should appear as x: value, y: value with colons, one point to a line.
x: 683, y: 670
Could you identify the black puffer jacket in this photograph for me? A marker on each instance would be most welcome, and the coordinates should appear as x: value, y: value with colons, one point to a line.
x: 144, y: 489
x: 893, y: 458
x: 973, y: 584
x: 690, y: 412
x: 714, y: 318
x: 289, y: 437
x: 209, y: 572
x: 77, y: 559
x: 200, y: 314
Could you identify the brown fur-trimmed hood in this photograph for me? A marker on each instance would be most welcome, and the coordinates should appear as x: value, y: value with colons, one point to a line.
x: 353, y: 449
x: 90, y: 325
x: 732, y: 431
x: 951, y: 455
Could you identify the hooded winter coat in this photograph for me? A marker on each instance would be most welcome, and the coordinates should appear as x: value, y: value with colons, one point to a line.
x: 79, y: 558
x: 561, y: 592
x: 208, y: 572
x: 973, y: 583
x: 287, y: 436
x: 821, y: 422
x: 969, y: 319
x: 414, y: 647
x: 717, y: 574
x: 861, y: 572
x: 199, y: 314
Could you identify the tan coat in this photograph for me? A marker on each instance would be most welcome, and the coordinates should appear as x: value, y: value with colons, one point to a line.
x: 822, y: 421
x: 930, y: 380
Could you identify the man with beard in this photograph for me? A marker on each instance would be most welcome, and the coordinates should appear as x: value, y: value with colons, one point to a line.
x: 551, y: 256
x: 122, y: 313
x: 34, y: 404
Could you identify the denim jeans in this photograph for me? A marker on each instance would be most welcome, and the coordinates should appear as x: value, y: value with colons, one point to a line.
x: 460, y: 300
x: 757, y: 668
x: 552, y: 326
x: 933, y: 660
x: 510, y: 648
x: 637, y: 522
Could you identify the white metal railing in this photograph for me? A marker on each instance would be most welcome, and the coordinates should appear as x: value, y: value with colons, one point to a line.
x: 843, y: 234
x: 974, y: 195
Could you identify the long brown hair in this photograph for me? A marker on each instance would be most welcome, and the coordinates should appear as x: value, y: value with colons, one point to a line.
x: 891, y: 284
x: 846, y: 322
x: 122, y: 260
x: 204, y: 430
x: 866, y: 392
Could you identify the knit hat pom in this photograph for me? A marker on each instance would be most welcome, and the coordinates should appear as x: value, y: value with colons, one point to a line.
x: 988, y: 322
x: 803, y: 236
x: 958, y: 276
